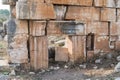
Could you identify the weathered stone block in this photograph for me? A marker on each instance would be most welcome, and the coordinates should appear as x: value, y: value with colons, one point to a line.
x: 71, y: 2
x: 35, y: 11
x: 108, y: 14
x: 22, y: 10
x: 21, y: 27
x: 42, y: 11
x: 114, y: 28
x: 38, y: 52
x: 60, y: 12
x: 107, y: 3
x: 118, y: 15
x: 61, y: 54
x: 76, y: 48
x: 65, y: 27
x: 83, y: 13
x: 19, y: 52
x: 37, y: 28
x: 97, y: 28
x: 101, y: 44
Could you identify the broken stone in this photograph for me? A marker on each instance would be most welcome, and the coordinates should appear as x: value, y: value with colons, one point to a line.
x: 118, y: 58
x: 66, y: 67
x: 98, y: 61
x: 42, y: 70
x: 82, y: 66
x: 117, y: 78
x: 109, y: 56
x: 117, y: 67
x: 32, y: 73
x: 19, y: 52
x: 56, y: 68
x: 95, y: 67
x: 12, y: 73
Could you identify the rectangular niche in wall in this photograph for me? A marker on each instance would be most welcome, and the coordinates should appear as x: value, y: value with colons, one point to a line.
x: 65, y: 27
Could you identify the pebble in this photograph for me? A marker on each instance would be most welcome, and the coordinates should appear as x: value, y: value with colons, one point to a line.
x: 98, y: 61
x: 12, y: 73
x: 32, y: 73
x: 66, y: 67
x: 95, y: 67
x: 118, y: 58
x: 117, y: 67
x: 56, y: 68
x: 82, y: 66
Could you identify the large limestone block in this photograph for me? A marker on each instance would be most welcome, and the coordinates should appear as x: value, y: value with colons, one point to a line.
x: 37, y: 28
x: 65, y: 27
x: 35, y: 11
x: 76, y: 48
x: 21, y: 27
x: 108, y: 14
x: 107, y: 3
x: 18, y: 52
x: 97, y: 28
x: 115, y: 28
x: 83, y: 13
x: 98, y: 48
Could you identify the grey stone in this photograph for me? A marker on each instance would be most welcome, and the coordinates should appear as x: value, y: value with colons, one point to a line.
x: 118, y: 58
x: 117, y: 67
x: 117, y: 78
x: 98, y: 61
x: 12, y: 73
x: 32, y: 73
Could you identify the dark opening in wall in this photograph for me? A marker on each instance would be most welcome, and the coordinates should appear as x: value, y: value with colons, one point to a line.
x: 90, y: 41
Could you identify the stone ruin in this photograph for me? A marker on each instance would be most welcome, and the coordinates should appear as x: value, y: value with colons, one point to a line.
x: 92, y: 27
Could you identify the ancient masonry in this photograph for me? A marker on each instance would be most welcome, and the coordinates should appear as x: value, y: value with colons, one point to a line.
x: 92, y: 27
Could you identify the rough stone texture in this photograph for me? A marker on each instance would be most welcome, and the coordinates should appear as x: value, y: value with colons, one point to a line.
x: 83, y: 13
x: 91, y: 24
x: 60, y: 12
x: 10, y: 2
x: 22, y: 11
x: 104, y: 40
x: 76, y: 48
x: 118, y: 15
x: 35, y: 11
x: 97, y: 28
x: 108, y: 14
x: 37, y: 28
x: 107, y: 3
x: 65, y: 27
x: 18, y: 49
x: 71, y: 2
x: 115, y: 28
x: 38, y: 52
x: 61, y: 54
x: 22, y: 27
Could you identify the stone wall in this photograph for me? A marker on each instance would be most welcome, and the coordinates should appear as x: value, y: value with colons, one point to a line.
x: 92, y: 27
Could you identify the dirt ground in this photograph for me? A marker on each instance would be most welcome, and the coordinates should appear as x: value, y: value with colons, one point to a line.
x: 66, y: 74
